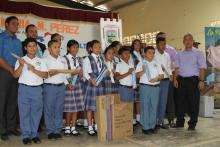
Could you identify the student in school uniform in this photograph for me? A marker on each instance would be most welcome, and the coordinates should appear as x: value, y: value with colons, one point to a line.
x: 136, y: 57
x: 116, y: 45
x: 74, y: 98
x: 31, y: 70
x: 124, y: 71
x: 92, y: 66
x: 110, y: 85
x: 150, y: 74
x: 163, y: 59
x: 54, y: 91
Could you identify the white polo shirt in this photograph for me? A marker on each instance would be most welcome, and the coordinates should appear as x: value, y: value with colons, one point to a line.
x: 87, y: 69
x: 122, y: 68
x: 27, y: 77
x: 165, y: 61
x: 53, y: 63
x: 154, y: 69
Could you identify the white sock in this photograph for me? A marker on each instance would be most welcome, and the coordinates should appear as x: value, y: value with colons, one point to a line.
x: 138, y: 117
x: 96, y: 127
x: 134, y: 121
x: 73, y: 128
x: 85, y: 122
x: 90, y: 128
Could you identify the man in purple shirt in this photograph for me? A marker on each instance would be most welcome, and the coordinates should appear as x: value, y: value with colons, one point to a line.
x: 189, y: 80
x: 170, y: 108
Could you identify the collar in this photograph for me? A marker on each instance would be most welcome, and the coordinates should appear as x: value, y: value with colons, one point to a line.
x: 51, y: 57
x: 6, y: 35
x: 95, y: 56
x: 71, y: 56
x: 30, y: 58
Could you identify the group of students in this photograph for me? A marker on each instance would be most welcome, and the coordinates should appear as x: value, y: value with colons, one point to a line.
x: 51, y: 84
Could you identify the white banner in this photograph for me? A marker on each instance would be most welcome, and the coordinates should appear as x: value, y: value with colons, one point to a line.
x: 80, y: 31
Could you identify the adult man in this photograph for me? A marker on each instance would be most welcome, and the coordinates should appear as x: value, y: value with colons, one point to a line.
x: 8, y: 85
x: 31, y: 32
x: 189, y: 80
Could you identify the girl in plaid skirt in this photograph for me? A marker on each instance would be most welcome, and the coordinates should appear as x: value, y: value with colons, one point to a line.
x: 92, y: 67
x: 74, y: 98
x: 110, y: 84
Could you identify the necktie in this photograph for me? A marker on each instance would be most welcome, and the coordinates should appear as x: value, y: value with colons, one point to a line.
x: 74, y: 61
x: 99, y: 62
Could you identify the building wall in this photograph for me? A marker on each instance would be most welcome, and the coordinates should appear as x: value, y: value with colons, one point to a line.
x: 175, y: 17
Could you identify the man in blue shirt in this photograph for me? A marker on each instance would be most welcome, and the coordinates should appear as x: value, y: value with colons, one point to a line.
x: 8, y: 85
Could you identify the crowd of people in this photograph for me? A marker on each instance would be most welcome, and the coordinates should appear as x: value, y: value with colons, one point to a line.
x: 43, y: 84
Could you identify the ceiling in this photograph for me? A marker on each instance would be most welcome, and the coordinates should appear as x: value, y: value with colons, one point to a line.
x: 109, y: 5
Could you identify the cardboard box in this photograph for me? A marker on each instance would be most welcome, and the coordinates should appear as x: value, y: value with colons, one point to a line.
x: 122, y: 118
x: 206, y: 107
x: 114, y: 118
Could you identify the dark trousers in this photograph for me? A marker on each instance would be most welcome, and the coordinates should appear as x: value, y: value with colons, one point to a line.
x: 8, y: 101
x: 188, y: 97
x: 170, y: 102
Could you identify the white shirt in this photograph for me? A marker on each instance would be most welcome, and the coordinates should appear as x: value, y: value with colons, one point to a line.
x: 72, y: 66
x: 122, y: 68
x: 53, y: 63
x: 87, y: 69
x: 154, y: 68
x: 165, y: 61
x: 27, y: 77
x: 138, y: 55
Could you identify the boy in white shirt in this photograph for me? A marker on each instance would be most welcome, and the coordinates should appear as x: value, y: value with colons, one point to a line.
x: 163, y: 59
x: 150, y: 74
x: 54, y: 91
x: 31, y: 70
x: 124, y: 71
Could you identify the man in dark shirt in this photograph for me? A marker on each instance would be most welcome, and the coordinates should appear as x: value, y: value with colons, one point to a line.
x: 31, y: 32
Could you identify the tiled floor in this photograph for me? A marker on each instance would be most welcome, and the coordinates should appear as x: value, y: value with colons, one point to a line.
x: 206, y: 135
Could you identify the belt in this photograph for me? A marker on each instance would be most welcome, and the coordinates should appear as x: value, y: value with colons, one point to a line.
x: 165, y: 79
x: 181, y: 77
x: 130, y: 87
x: 60, y: 84
x: 150, y: 85
x: 30, y: 85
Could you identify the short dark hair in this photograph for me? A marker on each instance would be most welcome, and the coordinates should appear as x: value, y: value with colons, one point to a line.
x: 28, y: 40
x: 10, y: 18
x: 29, y: 26
x: 54, y: 35
x: 148, y: 48
x: 51, y: 42
x: 160, y: 33
x: 160, y: 39
x: 107, y: 49
x: 122, y: 50
x: 115, y: 43
x: 71, y: 43
x: 94, y: 42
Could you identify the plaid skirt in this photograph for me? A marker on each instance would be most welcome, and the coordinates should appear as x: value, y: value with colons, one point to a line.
x: 90, y: 95
x: 109, y: 87
x: 74, y: 99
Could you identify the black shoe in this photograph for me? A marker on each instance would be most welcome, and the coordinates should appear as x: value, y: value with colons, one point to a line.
x: 193, y: 128
x: 26, y: 141
x: 36, y: 140
x: 51, y: 136
x: 92, y: 133
x: 14, y: 132
x: 178, y: 126
x: 153, y: 131
x: 4, y: 137
x: 147, y: 132
x: 57, y: 136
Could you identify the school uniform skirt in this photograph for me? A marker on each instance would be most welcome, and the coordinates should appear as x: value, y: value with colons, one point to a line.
x: 126, y: 93
x: 74, y: 99
x: 90, y: 95
x: 110, y: 87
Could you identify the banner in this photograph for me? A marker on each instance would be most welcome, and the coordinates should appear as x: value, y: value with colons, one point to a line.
x: 111, y: 30
x: 78, y: 30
